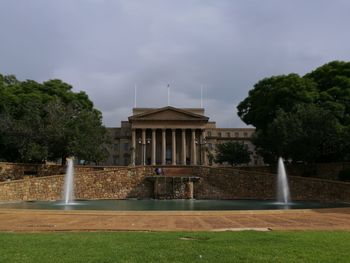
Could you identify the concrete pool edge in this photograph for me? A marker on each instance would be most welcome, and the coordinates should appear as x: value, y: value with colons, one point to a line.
x: 176, y: 212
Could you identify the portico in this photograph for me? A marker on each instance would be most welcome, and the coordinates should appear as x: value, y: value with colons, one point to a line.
x: 168, y: 136
x: 172, y: 136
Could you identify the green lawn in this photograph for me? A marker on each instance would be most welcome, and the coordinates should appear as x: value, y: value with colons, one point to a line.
x: 247, y: 246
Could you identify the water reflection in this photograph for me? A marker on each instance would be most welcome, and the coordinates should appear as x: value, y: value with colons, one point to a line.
x: 168, y: 205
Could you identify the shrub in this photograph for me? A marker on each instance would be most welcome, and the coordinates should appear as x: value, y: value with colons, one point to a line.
x: 344, y: 175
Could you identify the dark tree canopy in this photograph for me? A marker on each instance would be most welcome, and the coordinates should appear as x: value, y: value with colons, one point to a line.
x: 272, y: 94
x: 303, y: 118
x: 333, y: 85
x: 234, y: 153
x: 47, y: 121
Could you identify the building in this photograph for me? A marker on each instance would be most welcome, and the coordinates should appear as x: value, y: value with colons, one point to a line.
x: 172, y: 136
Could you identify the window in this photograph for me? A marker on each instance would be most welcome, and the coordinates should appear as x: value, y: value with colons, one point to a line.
x: 117, y: 134
x: 116, y: 159
x: 208, y: 134
x: 116, y: 147
x: 245, y: 134
x: 126, y: 159
x: 219, y: 134
x: 228, y: 134
x: 126, y: 147
x: 236, y: 134
x: 210, y: 146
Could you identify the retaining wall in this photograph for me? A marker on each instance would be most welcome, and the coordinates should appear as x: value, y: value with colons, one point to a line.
x: 328, y: 171
x: 16, y: 171
x: 228, y: 183
x: 119, y: 183
x: 214, y: 183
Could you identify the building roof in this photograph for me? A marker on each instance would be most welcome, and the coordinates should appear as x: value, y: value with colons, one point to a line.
x: 168, y: 113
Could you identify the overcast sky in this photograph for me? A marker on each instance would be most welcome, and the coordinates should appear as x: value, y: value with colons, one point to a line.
x: 105, y: 48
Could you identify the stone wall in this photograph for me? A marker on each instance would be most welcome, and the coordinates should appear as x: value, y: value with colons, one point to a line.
x: 214, y: 183
x: 328, y: 171
x: 228, y: 183
x: 119, y: 183
x: 172, y: 188
x: 16, y: 171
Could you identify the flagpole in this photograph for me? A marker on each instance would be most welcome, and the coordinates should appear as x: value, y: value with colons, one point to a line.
x: 135, y: 96
x: 168, y: 95
x: 201, y: 96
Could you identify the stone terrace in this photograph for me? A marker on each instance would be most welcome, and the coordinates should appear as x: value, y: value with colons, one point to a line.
x: 214, y: 183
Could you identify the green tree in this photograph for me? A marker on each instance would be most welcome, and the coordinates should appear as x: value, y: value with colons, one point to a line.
x: 48, y: 121
x: 309, y: 133
x: 333, y: 85
x: 233, y: 153
x: 304, y: 118
x: 272, y: 94
x: 94, y: 137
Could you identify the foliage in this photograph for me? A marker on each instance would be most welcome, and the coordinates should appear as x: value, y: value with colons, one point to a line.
x: 210, y: 156
x: 48, y: 121
x: 309, y: 133
x: 272, y: 94
x: 302, y: 118
x: 241, y: 246
x: 344, y: 175
x: 333, y: 85
x: 232, y: 152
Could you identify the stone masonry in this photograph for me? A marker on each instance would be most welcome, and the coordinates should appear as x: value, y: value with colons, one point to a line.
x: 228, y: 183
x: 16, y: 171
x: 214, y: 183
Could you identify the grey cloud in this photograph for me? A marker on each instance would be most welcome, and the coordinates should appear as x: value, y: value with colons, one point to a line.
x: 106, y: 47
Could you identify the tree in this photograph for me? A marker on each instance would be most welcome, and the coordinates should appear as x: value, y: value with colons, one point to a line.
x: 333, y: 84
x: 94, y: 137
x: 21, y: 127
x: 304, y: 118
x: 309, y: 133
x: 232, y: 152
x: 48, y: 121
x: 272, y: 94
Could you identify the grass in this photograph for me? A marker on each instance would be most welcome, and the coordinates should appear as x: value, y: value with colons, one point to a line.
x: 247, y: 246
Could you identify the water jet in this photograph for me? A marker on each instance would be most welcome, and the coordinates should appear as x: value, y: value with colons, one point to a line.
x: 283, y: 193
x: 68, y: 191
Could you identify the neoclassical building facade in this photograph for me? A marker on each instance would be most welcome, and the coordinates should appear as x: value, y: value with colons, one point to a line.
x: 172, y: 136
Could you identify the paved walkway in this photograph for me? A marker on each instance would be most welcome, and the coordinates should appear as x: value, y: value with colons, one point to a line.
x: 35, y: 220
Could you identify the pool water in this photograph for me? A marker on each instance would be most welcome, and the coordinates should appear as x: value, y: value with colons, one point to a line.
x: 168, y: 205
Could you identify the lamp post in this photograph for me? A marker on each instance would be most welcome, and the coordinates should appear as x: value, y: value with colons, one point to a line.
x: 202, y: 141
x: 143, y: 149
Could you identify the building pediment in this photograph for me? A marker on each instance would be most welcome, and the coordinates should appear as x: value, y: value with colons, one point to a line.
x: 168, y: 114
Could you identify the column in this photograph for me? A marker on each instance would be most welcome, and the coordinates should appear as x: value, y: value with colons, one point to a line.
x: 163, y: 147
x: 173, y: 136
x: 153, y: 146
x: 193, y: 148
x: 183, y: 146
x: 143, y: 146
x: 203, y: 148
x: 133, y: 146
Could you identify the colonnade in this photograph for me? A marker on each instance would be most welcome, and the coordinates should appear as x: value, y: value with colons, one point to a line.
x: 144, y: 137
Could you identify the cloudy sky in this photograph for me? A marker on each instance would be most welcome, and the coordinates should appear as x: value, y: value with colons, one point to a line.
x: 106, y: 47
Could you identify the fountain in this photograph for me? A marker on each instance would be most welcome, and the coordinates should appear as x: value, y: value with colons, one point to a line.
x: 283, y: 194
x: 179, y: 190
x: 68, y: 193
